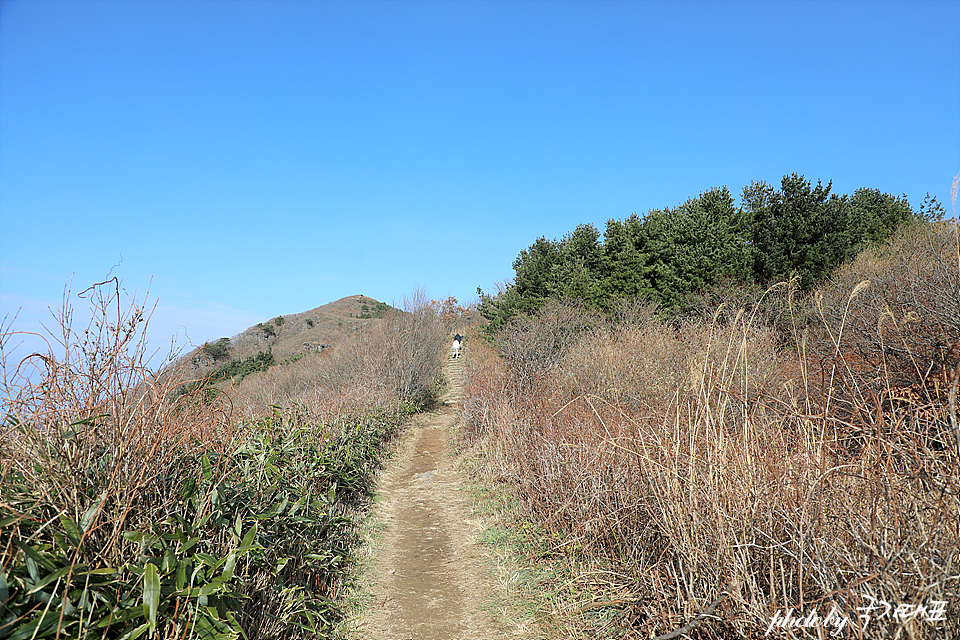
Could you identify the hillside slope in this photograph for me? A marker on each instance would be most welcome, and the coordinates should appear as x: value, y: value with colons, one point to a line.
x: 288, y: 336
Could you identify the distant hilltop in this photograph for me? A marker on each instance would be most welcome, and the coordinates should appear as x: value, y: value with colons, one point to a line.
x: 288, y: 336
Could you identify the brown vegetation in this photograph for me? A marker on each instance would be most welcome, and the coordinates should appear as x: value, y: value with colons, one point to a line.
x: 393, y: 359
x: 291, y: 336
x: 697, y: 459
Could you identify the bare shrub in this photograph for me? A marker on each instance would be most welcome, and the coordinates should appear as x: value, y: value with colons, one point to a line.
x: 410, y: 347
x: 887, y: 336
x: 534, y: 345
x: 634, y: 312
x: 903, y: 324
x: 485, y: 397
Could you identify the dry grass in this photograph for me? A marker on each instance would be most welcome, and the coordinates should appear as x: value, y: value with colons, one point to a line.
x: 709, y: 458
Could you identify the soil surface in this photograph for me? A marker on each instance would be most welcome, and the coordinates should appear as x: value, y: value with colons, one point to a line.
x: 429, y: 577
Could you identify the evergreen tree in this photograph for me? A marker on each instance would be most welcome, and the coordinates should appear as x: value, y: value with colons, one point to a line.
x: 876, y: 215
x: 625, y: 259
x: 536, y: 271
x: 809, y: 231
x: 705, y: 242
x: 695, y: 246
x: 791, y: 228
x: 579, y: 272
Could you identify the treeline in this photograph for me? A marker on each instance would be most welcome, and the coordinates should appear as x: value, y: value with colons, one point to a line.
x: 669, y: 254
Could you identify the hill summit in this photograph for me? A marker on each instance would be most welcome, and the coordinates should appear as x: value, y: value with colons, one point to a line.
x: 289, y: 336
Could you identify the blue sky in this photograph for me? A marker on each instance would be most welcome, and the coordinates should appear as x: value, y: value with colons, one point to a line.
x: 245, y: 159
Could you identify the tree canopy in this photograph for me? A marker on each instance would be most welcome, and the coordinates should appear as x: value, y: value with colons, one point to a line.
x: 774, y: 233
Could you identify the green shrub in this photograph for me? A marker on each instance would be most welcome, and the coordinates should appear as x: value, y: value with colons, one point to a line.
x: 124, y: 515
x: 235, y: 370
x: 293, y: 358
x: 377, y: 311
x: 219, y: 350
x: 250, y: 543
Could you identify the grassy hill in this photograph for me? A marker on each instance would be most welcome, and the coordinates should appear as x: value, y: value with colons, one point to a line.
x: 288, y: 337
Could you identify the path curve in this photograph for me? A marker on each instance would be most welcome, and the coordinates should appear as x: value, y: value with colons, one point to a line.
x: 429, y: 578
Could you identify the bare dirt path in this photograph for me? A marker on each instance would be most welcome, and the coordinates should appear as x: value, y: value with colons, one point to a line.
x: 429, y: 579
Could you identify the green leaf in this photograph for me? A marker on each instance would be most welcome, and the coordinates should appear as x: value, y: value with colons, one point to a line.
x: 203, y: 521
x: 228, y: 566
x: 207, y: 559
x: 181, y: 574
x: 91, y: 513
x: 56, y: 575
x: 36, y: 628
x: 190, y: 544
x: 151, y: 596
x: 136, y: 633
x: 33, y: 556
x: 134, y: 536
x: 211, y: 587
x: 169, y: 560
x: 235, y: 624
x: 210, y: 628
x: 147, y: 539
x: 70, y: 527
x: 207, y: 467
x: 249, y: 537
x: 9, y: 520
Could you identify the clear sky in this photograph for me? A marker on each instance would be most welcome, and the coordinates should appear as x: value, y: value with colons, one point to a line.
x: 245, y: 159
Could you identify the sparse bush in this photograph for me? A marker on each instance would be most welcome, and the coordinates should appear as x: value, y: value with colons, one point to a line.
x: 535, y: 344
x: 413, y: 342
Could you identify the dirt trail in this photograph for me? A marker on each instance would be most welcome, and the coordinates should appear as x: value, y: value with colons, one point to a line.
x: 429, y: 577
